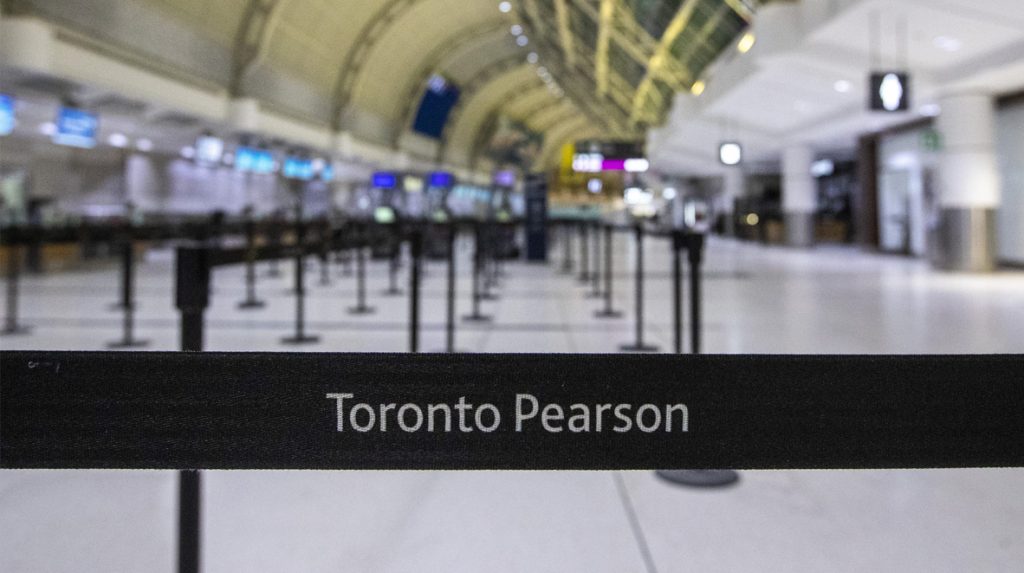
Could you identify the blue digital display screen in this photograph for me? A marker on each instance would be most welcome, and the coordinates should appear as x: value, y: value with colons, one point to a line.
x: 384, y: 180
x: 254, y: 160
x: 76, y: 128
x: 6, y: 114
x: 327, y: 173
x: 435, y: 106
x: 441, y: 179
x: 298, y: 168
x: 505, y: 178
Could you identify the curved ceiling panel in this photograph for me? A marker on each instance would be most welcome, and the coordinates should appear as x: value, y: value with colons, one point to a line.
x: 478, y: 107
x: 400, y: 51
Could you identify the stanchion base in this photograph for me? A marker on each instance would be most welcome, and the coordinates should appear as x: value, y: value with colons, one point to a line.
x: 128, y: 344
x: 456, y: 351
x: 392, y: 292
x: 700, y: 478
x: 16, y: 330
x: 325, y: 283
x: 638, y: 348
x: 362, y: 310
x: 489, y: 296
x: 251, y: 304
x: 273, y: 274
x: 608, y: 314
x: 304, y: 339
x: 477, y: 318
x: 593, y: 294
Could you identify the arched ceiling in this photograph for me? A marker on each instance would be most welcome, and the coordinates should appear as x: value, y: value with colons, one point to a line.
x: 617, y: 62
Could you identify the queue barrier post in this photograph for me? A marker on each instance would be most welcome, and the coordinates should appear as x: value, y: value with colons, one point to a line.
x: 478, y: 255
x: 416, y: 253
x: 251, y: 301
x: 639, y: 345
x: 361, y: 308
x: 300, y: 336
x: 128, y: 339
x: 595, y: 274
x: 609, y: 278
x: 11, y: 326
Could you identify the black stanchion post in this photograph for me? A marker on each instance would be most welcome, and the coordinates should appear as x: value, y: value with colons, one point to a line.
x: 394, y: 263
x: 250, y: 302
x: 416, y: 253
x: 694, y: 244
x: 608, y: 311
x: 584, y: 276
x: 478, y: 256
x: 678, y: 238
x: 360, y: 307
x: 11, y: 325
x: 274, y: 231
x: 567, y: 248
x: 128, y: 339
x: 325, y: 253
x: 595, y: 274
x: 449, y: 334
x: 300, y: 290
x: 192, y: 287
x: 639, y: 345
x: 489, y: 240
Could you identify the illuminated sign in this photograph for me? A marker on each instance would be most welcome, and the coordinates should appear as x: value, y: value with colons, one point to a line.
x: 384, y: 180
x: 730, y: 153
x: 298, y: 168
x: 76, y: 128
x: 890, y: 91
x: 6, y: 114
x: 254, y: 160
x: 441, y: 179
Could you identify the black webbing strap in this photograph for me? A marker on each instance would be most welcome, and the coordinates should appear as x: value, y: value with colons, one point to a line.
x: 261, y: 410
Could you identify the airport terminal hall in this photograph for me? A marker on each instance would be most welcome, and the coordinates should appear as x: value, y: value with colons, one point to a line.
x: 607, y: 286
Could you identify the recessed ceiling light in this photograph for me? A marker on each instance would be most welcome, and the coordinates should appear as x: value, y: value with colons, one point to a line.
x: 144, y: 145
x: 843, y: 86
x: 746, y: 42
x: 698, y: 87
x: 49, y: 128
x: 188, y: 152
x: 947, y: 43
x: 532, y: 57
x: 930, y: 110
x: 522, y: 41
x: 117, y: 140
x: 505, y: 7
x: 516, y: 30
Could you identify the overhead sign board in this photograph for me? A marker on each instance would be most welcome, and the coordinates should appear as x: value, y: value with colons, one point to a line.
x: 890, y: 91
x: 76, y: 128
x: 6, y: 114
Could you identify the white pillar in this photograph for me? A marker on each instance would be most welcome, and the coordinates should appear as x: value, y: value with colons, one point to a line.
x: 969, y: 187
x: 799, y: 195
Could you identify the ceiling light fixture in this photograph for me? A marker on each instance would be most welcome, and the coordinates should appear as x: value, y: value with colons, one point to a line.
x: 505, y: 7
x: 532, y: 57
x: 144, y: 145
x: 521, y: 41
x: 698, y: 87
x: 117, y: 140
x: 516, y: 30
x: 947, y: 43
x: 746, y: 43
x: 843, y: 86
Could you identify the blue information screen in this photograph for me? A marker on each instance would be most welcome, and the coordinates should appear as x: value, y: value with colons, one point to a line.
x: 441, y: 179
x: 384, y: 180
x: 76, y: 127
x: 298, y: 168
x: 254, y: 160
x: 6, y: 114
x: 437, y: 103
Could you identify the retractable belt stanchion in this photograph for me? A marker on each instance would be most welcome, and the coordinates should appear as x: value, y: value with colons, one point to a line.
x: 361, y: 244
x: 394, y: 263
x: 584, y: 276
x: 609, y: 278
x: 478, y: 255
x: 325, y: 253
x: 694, y: 244
x: 449, y: 326
x: 489, y: 239
x: 416, y: 253
x: 128, y: 339
x: 11, y: 325
x: 250, y: 302
x: 192, y: 297
x: 300, y: 336
x: 566, y: 248
x: 639, y: 345
x: 595, y: 274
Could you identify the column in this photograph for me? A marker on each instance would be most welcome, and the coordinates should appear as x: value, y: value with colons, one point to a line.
x: 968, y: 190
x: 799, y: 195
x: 733, y: 188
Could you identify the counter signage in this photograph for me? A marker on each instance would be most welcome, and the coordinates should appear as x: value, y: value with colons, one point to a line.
x: 6, y: 114
x: 76, y: 128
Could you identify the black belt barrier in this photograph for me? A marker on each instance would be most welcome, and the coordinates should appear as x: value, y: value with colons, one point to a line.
x: 433, y: 411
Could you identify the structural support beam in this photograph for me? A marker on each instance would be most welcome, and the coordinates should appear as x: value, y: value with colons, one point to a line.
x: 565, y: 32
x: 355, y: 59
x: 604, y: 29
x: 434, y: 63
x: 662, y: 54
x: 250, y: 40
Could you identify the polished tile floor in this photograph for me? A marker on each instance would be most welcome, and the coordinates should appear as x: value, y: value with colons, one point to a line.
x: 757, y: 300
